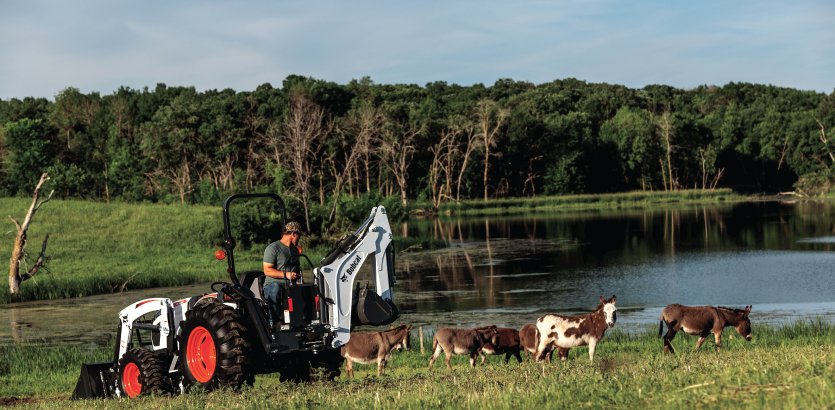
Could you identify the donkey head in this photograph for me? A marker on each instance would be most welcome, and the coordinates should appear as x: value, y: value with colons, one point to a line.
x: 610, y: 310
x: 406, y: 341
x: 489, y: 334
x: 404, y: 337
x: 744, y: 325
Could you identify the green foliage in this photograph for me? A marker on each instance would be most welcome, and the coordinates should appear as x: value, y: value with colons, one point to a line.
x: 30, y: 152
x: 566, y: 176
x: 175, y: 144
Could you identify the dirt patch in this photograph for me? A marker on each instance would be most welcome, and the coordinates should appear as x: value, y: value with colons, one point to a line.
x: 13, y: 401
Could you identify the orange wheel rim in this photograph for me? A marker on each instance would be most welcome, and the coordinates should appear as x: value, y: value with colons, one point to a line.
x: 130, y: 380
x: 201, y: 355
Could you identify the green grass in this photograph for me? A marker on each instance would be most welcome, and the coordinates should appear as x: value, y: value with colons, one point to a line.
x: 784, y: 367
x: 97, y: 248
x: 636, y: 199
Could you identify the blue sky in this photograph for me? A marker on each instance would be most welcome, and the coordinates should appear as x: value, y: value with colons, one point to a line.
x: 99, y: 45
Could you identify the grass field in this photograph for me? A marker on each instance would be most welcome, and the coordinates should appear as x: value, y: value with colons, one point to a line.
x: 784, y: 367
x: 97, y: 248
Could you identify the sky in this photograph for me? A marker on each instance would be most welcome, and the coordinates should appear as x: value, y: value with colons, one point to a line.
x: 100, y: 45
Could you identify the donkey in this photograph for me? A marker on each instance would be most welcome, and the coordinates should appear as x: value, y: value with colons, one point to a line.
x: 462, y: 342
x: 565, y: 332
x: 370, y: 347
x: 702, y: 320
x: 507, y: 343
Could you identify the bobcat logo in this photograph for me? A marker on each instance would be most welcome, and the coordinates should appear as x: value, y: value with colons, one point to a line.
x: 351, y: 269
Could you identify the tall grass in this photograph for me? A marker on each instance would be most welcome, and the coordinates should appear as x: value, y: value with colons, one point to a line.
x: 784, y: 367
x: 97, y: 248
x: 636, y: 199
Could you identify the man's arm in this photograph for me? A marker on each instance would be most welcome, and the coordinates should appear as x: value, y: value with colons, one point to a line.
x: 271, y: 271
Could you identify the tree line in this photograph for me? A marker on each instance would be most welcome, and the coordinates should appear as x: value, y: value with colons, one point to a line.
x: 321, y: 143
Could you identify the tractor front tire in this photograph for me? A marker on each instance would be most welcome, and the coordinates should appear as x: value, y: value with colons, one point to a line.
x: 213, y: 349
x: 141, y: 373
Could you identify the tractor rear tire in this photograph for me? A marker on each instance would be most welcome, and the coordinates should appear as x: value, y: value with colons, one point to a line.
x: 141, y: 373
x: 213, y: 348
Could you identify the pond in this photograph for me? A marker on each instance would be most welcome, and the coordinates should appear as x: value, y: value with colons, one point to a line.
x: 776, y: 256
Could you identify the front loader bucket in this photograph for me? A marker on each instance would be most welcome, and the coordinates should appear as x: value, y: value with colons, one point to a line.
x: 97, y: 380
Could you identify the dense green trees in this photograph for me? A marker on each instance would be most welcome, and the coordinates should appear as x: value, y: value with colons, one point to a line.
x: 315, y: 141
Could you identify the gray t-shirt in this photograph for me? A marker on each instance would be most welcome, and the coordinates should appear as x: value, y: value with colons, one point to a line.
x: 283, y: 258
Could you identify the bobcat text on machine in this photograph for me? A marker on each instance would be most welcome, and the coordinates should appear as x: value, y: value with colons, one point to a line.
x: 225, y: 338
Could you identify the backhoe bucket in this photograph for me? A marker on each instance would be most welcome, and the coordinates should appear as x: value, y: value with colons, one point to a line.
x: 371, y: 309
x: 97, y: 380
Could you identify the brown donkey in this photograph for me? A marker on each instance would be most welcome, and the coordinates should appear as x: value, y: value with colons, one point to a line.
x: 468, y: 342
x: 702, y: 321
x: 370, y: 347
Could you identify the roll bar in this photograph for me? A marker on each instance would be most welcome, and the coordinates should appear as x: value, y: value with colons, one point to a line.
x: 229, y: 241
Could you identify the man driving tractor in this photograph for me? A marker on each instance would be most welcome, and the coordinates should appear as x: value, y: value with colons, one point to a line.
x: 281, y: 264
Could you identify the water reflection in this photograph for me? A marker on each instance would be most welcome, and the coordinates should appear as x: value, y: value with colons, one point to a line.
x: 510, y: 269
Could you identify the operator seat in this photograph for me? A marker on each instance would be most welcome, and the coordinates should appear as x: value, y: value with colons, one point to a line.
x: 254, y: 280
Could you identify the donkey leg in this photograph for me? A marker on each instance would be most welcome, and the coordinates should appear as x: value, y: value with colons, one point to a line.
x: 717, y: 338
x: 349, y: 367
x: 380, y: 366
x: 435, y: 355
x: 700, y: 341
x: 518, y: 355
x: 447, y: 356
x: 668, y: 339
x: 592, y: 345
x: 472, y: 359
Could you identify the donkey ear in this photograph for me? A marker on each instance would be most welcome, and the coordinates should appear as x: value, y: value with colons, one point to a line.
x: 748, y: 309
x: 614, y: 299
x: 602, y: 300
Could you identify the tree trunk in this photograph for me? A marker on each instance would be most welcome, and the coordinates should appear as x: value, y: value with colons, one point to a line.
x: 19, y: 248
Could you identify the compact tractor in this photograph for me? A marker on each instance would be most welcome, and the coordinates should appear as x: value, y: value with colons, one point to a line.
x: 224, y: 338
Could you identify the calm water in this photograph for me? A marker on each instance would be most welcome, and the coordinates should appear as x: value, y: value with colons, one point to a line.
x: 509, y: 270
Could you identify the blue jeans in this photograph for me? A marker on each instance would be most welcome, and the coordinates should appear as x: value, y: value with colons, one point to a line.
x: 273, y: 292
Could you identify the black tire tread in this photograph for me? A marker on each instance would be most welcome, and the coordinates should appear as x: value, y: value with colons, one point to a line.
x: 228, y: 332
x: 152, y: 376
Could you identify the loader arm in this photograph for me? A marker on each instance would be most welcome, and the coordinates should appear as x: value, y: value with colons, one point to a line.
x: 370, y: 241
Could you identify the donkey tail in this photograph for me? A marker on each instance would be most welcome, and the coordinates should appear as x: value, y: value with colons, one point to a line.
x: 536, y: 338
x: 434, y: 343
x: 660, y: 325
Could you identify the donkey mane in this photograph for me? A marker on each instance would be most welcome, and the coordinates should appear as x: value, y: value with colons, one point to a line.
x: 736, y: 311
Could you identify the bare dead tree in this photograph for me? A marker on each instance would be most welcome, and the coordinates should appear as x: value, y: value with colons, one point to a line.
x: 349, y: 163
x: 824, y: 141
x: 471, y: 143
x: 305, y: 127
x: 665, y: 127
x: 19, y: 249
x: 440, y: 169
x: 531, y: 177
x: 180, y: 177
x: 490, y: 119
x: 398, y: 148
x: 369, y: 124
